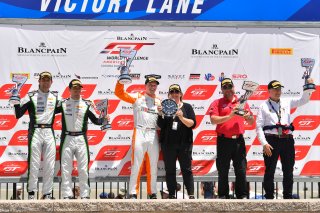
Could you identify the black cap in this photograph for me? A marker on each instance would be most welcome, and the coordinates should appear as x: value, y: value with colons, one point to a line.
x: 274, y: 84
x: 226, y: 81
x: 175, y: 87
x: 152, y: 78
x: 75, y: 82
x: 45, y: 74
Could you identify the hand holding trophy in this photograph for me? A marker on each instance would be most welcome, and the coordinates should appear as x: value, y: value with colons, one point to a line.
x: 308, y: 63
x: 129, y: 55
x: 20, y: 80
x: 250, y: 87
x: 102, y: 106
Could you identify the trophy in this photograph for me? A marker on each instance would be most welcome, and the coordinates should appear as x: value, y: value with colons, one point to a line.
x: 169, y: 107
x: 129, y: 55
x: 250, y: 87
x: 102, y: 106
x: 308, y: 63
x: 19, y: 79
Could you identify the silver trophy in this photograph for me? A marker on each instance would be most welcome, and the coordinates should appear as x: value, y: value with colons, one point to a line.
x: 20, y: 80
x: 249, y: 87
x: 308, y: 63
x: 102, y: 106
x: 129, y: 55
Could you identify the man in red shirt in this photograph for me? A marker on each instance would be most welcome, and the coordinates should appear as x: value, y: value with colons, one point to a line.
x: 230, y: 141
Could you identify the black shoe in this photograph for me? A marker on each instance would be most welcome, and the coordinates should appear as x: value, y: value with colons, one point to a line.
x: 191, y: 197
x: 223, y: 197
x: 172, y: 197
x: 68, y: 198
x: 85, y: 198
x: 47, y: 197
x: 152, y: 196
x: 133, y: 196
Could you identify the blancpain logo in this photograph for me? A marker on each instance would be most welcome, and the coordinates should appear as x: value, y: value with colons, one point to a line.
x: 19, y: 153
x: 54, y: 76
x: 132, y: 37
x: 6, y: 107
x: 215, y: 52
x: 106, y: 168
x: 106, y: 92
x: 302, y: 138
x: 203, y: 153
x: 119, y: 138
x: 197, y: 108
x: 126, y: 107
x: 42, y: 50
x: 291, y: 93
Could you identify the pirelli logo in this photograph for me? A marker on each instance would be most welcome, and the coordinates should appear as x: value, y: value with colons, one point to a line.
x: 281, y: 51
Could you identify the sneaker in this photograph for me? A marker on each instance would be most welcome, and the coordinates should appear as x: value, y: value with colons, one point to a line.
x: 133, y: 196
x: 47, y: 197
x: 68, y: 198
x: 31, y: 196
x: 152, y: 196
x: 85, y: 198
x: 191, y: 197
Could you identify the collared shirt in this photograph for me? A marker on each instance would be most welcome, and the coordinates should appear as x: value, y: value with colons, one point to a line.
x: 223, y: 107
x: 267, y: 116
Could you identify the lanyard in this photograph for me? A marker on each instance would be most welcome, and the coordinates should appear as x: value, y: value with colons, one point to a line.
x: 278, y: 113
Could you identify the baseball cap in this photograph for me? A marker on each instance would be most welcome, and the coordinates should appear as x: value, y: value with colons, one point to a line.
x: 45, y: 74
x: 75, y: 82
x: 175, y: 87
x: 152, y: 78
x: 226, y: 81
x: 274, y: 84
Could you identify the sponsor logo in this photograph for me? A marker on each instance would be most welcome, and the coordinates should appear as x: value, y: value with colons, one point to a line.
x: 136, y: 88
x: 119, y: 138
x: 203, y: 153
x: 132, y: 37
x: 112, y: 153
x: 239, y: 76
x: 206, y: 137
x: 135, y: 76
x: 7, y: 122
x: 260, y: 94
x: 194, y: 76
x: 209, y: 77
x: 281, y: 51
x: 254, y: 108
x: 214, y: 52
x: 221, y: 77
x: 5, y: 90
x: 41, y: 50
x: 311, y: 168
x: 201, y: 167
x: 13, y: 168
x: 301, y: 138
x: 291, y: 93
x: 106, y: 92
x: 176, y: 77
x: 54, y: 76
x: 85, y: 77
x: 105, y: 168
x: 17, y: 153
x: 86, y: 91
x: 301, y: 152
x: 199, y: 92
x: 306, y: 122
x: 123, y: 122
x: 110, y: 76
x: 20, y: 138
x: 163, y: 92
x: 198, y: 108
x: 257, y: 153
x: 6, y: 107
x: 255, y: 167
x: 95, y: 136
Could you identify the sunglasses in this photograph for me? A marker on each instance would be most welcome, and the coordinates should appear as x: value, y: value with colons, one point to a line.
x: 228, y: 86
x: 174, y: 91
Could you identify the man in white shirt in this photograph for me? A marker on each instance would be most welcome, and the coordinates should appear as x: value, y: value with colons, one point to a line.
x: 274, y: 129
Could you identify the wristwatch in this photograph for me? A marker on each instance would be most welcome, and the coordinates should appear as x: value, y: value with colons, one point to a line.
x: 169, y: 107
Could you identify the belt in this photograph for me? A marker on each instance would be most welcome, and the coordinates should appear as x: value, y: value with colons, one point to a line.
x: 146, y: 128
x: 230, y: 136
x: 278, y: 136
x: 42, y: 126
x: 74, y: 133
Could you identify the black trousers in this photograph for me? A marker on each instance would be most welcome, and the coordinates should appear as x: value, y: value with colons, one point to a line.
x: 235, y: 150
x: 283, y: 147
x: 182, y: 152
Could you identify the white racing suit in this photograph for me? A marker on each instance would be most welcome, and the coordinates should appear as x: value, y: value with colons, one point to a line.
x: 41, y: 140
x: 74, y: 142
x: 145, y: 145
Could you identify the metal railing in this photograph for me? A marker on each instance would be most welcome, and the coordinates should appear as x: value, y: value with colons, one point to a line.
x: 304, y: 187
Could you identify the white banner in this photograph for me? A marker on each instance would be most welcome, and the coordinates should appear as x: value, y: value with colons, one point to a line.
x: 194, y: 58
